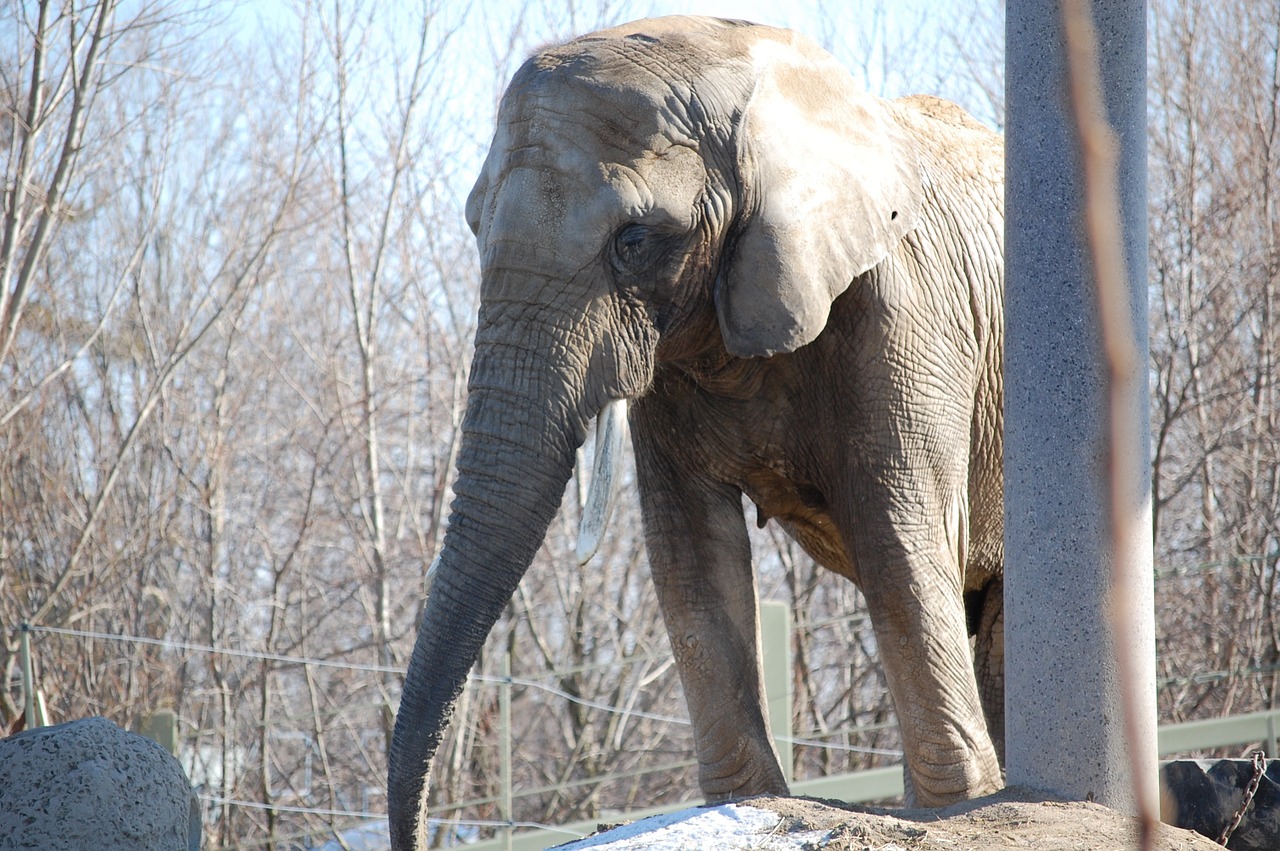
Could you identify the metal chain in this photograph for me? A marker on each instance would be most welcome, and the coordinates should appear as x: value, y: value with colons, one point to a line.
x: 1259, y: 768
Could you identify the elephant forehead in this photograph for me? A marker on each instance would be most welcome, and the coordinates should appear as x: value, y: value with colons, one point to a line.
x: 612, y: 99
x: 542, y: 204
x: 562, y: 190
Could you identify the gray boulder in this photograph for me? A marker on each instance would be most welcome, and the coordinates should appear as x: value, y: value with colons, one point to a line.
x: 88, y: 784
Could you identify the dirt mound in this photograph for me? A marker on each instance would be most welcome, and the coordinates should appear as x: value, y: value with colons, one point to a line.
x: 1009, y: 819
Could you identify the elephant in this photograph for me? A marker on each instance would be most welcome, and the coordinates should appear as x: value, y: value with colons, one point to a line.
x: 795, y: 289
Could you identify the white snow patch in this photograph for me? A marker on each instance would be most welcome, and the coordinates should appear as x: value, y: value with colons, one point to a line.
x: 728, y: 826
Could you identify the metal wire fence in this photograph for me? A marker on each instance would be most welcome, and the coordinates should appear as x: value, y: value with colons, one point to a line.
x: 777, y: 652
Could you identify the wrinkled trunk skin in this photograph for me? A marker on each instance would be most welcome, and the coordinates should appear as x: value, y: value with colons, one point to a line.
x: 523, y: 424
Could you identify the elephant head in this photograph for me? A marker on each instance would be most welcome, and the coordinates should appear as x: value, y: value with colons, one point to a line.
x: 651, y: 191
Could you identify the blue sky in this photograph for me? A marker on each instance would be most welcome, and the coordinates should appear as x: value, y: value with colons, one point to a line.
x: 895, y: 47
x: 892, y: 47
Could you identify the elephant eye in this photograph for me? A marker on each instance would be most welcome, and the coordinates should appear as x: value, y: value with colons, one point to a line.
x: 633, y: 249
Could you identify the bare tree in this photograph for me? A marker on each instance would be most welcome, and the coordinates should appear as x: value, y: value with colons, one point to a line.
x: 1214, y: 241
x: 237, y: 306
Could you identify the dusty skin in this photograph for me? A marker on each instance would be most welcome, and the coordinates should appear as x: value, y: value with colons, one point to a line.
x: 1008, y: 819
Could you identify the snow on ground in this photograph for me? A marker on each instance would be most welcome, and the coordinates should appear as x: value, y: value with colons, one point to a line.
x: 728, y: 826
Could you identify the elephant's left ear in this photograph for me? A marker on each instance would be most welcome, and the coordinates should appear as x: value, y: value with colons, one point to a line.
x: 831, y: 182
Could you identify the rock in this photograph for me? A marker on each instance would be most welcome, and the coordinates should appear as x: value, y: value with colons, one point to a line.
x: 1204, y: 796
x: 88, y: 784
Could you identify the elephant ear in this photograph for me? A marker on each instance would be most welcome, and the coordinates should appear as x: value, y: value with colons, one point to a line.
x: 830, y: 184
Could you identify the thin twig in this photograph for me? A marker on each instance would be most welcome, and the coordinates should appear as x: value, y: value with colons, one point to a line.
x: 1104, y: 233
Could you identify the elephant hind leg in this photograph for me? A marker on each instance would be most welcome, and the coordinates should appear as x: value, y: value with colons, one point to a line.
x: 985, y: 611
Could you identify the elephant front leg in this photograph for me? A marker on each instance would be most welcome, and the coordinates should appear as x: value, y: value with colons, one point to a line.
x: 912, y: 586
x: 706, y: 588
x: 701, y: 562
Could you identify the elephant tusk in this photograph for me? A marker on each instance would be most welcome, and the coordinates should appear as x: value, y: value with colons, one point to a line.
x: 611, y: 428
x: 431, y: 575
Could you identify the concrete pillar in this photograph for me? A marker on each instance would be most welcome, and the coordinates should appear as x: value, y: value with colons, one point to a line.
x: 1064, y: 724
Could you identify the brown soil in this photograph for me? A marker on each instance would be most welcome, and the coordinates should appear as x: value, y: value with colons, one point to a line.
x: 1005, y: 820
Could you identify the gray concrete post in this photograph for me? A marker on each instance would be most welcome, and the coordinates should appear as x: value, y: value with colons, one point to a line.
x: 1064, y: 724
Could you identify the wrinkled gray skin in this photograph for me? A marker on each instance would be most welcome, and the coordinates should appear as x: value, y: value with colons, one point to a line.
x: 798, y: 288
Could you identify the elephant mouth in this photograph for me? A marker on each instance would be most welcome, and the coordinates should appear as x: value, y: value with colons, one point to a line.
x: 606, y: 466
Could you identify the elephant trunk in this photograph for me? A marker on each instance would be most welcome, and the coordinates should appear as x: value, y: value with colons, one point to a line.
x: 525, y: 420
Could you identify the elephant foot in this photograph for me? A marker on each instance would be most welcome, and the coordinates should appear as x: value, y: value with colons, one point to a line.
x: 939, y: 785
x: 718, y: 788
